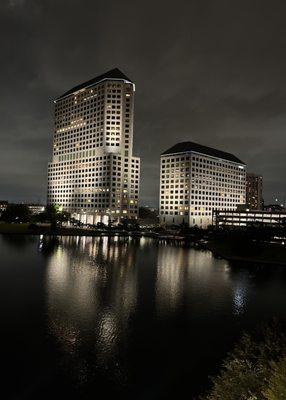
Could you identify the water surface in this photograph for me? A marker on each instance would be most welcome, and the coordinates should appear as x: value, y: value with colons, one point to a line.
x: 91, y: 317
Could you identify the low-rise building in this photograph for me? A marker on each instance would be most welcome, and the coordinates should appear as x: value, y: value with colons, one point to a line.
x: 36, y: 208
x: 248, y: 217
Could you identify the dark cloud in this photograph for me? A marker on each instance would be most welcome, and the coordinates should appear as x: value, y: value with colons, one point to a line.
x: 211, y: 71
x: 16, y: 3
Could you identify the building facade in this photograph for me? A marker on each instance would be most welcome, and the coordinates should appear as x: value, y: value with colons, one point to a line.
x: 36, y: 208
x: 3, y: 206
x: 93, y: 173
x: 254, y: 186
x: 195, y: 180
x: 247, y: 217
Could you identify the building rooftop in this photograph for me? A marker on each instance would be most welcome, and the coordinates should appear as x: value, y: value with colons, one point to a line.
x: 112, y: 74
x: 185, y: 147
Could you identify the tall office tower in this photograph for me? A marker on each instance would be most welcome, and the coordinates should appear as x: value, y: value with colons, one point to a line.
x: 254, y: 185
x: 195, y: 180
x: 93, y: 173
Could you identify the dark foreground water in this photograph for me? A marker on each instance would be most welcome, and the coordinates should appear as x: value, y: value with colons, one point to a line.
x: 89, y: 317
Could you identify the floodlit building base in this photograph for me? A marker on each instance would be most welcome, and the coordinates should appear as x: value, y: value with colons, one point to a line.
x: 93, y: 219
x: 202, y: 222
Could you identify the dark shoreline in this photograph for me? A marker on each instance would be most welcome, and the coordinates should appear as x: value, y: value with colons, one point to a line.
x: 228, y: 248
x: 248, y: 252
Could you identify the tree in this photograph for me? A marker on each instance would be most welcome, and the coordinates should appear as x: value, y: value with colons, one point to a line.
x: 16, y: 213
x: 147, y: 215
x: 54, y: 214
x: 128, y: 223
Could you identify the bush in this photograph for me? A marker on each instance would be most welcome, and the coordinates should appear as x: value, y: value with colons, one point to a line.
x: 16, y: 213
x: 255, y: 370
x: 276, y: 389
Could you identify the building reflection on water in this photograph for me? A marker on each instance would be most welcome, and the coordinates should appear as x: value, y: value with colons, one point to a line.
x: 95, y: 287
x: 91, y: 294
x: 197, y: 279
x: 170, y: 277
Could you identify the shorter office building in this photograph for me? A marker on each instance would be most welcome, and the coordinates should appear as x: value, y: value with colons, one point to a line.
x: 195, y: 180
x: 254, y: 186
x: 248, y: 217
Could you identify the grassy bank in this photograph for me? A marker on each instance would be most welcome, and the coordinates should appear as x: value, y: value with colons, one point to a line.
x: 14, y: 228
x: 26, y: 229
x: 41, y: 229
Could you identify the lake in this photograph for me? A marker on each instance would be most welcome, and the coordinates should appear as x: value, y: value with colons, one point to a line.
x: 86, y: 317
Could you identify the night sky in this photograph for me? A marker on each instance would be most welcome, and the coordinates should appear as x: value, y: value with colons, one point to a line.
x: 209, y: 71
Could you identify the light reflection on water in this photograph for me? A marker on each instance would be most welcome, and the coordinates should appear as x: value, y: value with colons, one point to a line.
x: 91, y: 292
x: 114, y: 303
x: 191, y: 277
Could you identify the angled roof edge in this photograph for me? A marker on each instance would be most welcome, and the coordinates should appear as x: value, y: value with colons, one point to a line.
x: 184, y: 147
x: 115, y: 74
